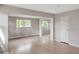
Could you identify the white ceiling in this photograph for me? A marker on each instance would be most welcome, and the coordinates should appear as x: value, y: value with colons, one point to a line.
x: 49, y: 8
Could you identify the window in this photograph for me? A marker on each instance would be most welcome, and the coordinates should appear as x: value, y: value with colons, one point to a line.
x: 23, y: 23
x: 45, y: 23
x: 27, y: 23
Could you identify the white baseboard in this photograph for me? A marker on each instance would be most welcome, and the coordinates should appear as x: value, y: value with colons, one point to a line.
x: 75, y: 45
x: 24, y: 36
x: 72, y: 44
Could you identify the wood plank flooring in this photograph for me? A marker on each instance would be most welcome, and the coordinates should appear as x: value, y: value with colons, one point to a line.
x: 37, y: 45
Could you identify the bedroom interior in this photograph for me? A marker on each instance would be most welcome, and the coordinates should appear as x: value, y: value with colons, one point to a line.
x: 39, y: 29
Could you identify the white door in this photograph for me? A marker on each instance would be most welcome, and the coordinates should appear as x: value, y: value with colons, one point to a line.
x: 64, y: 29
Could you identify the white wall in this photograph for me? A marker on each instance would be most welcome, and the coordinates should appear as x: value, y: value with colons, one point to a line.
x: 73, y: 22
x: 74, y: 29
x: 14, y: 32
x: 4, y: 26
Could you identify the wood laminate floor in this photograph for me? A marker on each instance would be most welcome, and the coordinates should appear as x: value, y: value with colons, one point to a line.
x: 37, y: 45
